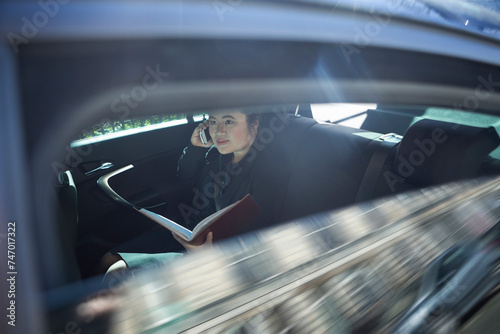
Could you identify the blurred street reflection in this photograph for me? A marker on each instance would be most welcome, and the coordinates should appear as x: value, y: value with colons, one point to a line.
x: 355, y: 270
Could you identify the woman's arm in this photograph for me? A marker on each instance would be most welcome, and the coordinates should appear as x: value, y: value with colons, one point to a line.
x: 190, y: 164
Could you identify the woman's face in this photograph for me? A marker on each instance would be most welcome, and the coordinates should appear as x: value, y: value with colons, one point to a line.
x: 230, y: 133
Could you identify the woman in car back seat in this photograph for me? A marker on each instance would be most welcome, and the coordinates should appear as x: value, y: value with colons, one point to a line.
x: 222, y: 172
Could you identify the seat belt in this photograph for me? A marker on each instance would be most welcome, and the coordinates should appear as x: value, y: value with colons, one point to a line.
x: 384, y: 145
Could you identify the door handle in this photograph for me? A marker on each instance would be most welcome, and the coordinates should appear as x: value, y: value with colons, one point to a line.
x: 104, y: 165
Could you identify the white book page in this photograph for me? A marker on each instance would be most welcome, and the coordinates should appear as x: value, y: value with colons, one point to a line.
x: 183, y: 232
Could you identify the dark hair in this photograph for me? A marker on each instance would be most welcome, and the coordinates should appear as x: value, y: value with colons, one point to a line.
x: 251, y: 120
x: 256, y: 114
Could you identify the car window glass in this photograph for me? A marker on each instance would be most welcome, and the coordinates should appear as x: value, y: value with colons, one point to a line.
x: 348, y: 114
x: 108, y: 129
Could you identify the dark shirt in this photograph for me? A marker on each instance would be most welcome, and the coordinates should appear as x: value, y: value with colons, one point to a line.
x: 215, y: 179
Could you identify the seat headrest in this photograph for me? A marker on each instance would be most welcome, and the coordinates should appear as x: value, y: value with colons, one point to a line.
x: 433, y: 152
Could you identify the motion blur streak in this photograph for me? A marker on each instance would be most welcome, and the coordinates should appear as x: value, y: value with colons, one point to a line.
x: 345, y: 271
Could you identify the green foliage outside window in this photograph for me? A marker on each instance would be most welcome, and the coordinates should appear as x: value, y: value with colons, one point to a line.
x: 108, y: 126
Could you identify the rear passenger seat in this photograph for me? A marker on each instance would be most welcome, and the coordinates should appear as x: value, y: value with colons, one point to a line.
x: 327, y: 169
x: 435, y: 152
x: 331, y: 161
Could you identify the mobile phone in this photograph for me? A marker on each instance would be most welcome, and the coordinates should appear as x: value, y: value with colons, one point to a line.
x: 205, y: 136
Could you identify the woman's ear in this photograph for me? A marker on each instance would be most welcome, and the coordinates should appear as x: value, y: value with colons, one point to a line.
x: 255, y: 126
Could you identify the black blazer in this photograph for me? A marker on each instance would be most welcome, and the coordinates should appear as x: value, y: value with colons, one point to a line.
x: 214, y: 179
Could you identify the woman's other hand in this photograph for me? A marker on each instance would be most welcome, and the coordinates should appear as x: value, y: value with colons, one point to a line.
x: 195, y: 137
x: 189, y: 247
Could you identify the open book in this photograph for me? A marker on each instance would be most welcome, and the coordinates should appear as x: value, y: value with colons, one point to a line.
x: 223, y: 223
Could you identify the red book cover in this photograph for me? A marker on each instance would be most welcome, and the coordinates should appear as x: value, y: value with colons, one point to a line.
x: 224, y: 223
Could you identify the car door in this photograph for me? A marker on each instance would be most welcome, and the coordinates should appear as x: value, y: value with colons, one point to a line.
x: 153, y: 150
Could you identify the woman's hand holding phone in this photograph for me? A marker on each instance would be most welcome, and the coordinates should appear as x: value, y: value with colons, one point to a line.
x: 196, y: 137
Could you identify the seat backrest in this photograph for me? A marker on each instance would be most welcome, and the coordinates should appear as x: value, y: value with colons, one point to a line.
x: 326, y: 174
x: 435, y: 152
x: 331, y: 161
